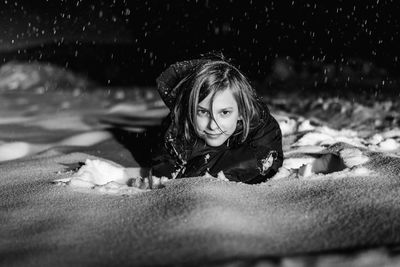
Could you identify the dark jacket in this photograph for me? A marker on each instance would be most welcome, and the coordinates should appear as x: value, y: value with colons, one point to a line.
x: 253, y: 161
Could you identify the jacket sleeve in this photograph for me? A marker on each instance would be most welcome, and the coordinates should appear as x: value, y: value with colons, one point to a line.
x: 257, y: 159
x: 170, y: 78
x: 163, y: 166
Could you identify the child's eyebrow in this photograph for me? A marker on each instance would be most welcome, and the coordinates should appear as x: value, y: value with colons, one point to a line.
x: 225, y: 108
x: 217, y: 110
x: 201, y: 107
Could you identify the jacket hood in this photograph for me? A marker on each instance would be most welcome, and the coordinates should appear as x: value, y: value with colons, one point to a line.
x: 169, y: 79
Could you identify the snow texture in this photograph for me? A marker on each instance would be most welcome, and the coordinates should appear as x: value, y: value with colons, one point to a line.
x: 92, y: 215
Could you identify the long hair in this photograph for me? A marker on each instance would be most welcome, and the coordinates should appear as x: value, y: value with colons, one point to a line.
x: 211, y: 77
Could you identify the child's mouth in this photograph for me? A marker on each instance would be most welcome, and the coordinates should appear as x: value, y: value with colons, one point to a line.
x: 213, y: 135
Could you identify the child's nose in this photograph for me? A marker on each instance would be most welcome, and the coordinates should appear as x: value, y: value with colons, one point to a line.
x: 212, y: 124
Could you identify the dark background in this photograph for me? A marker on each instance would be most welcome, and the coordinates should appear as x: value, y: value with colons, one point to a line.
x: 121, y: 43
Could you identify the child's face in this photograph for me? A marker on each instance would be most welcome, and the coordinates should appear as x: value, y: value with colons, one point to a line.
x: 215, y: 131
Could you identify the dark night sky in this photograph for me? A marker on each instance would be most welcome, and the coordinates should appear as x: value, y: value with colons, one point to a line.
x: 139, y: 38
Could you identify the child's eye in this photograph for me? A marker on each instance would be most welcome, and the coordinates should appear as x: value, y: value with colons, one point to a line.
x: 202, y: 113
x: 225, y: 113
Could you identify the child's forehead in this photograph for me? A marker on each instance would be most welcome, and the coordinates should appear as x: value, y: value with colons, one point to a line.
x: 219, y: 99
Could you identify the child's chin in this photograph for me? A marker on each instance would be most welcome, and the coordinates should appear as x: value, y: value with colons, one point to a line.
x: 215, y: 142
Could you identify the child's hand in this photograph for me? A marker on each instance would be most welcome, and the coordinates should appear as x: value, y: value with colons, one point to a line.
x: 208, y: 175
x: 146, y: 183
x: 220, y: 176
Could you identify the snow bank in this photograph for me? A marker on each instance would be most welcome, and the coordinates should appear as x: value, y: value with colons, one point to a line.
x: 338, y: 190
x: 38, y: 77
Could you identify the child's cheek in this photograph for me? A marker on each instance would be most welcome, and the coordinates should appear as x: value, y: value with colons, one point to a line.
x: 201, y: 123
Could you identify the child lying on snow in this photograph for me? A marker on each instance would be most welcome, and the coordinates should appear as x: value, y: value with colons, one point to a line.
x: 217, y: 126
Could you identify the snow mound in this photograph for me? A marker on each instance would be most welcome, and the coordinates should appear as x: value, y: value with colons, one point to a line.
x: 353, y: 157
x: 97, y: 172
x: 343, y: 163
x: 16, y: 150
x: 318, y: 151
x: 38, y: 77
x: 109, y: 177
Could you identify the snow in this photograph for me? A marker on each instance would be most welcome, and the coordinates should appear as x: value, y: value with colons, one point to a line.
x: 302, y: 158
x: 303, y: 155
x: 68, y: 198
x: 15, y: 150
x: 109, y: 177
x: 388, y: 145
x: 97, y: 172
x: 353, y: 157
